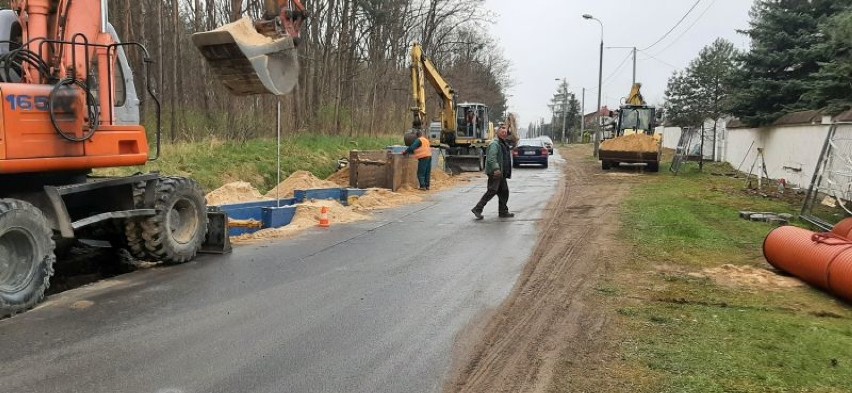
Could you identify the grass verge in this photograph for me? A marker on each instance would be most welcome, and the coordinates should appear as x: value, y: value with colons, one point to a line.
x: 215, y: 162
x: 675, y: 329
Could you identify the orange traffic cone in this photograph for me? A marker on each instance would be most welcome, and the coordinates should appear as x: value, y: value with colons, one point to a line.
x: 324, y: 217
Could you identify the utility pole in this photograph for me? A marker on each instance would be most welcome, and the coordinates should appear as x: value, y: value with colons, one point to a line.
x: 634, y: 65
x: 583, y: 115
x: 564, y: 109
x: 633, y: 50
x: 598, y: 131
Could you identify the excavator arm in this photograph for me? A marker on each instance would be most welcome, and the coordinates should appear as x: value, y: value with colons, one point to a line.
x: 422, y: 70
x: 257, y: 57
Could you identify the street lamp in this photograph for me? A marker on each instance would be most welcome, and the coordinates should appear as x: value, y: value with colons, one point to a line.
x: 600, y: 83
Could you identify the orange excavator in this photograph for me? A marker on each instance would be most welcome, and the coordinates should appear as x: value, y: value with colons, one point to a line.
x: 68, y: 105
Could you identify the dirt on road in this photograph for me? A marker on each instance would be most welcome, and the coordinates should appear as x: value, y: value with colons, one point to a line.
x: 522, y: 346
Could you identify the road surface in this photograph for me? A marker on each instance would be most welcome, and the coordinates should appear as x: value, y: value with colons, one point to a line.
x: 368, y: 307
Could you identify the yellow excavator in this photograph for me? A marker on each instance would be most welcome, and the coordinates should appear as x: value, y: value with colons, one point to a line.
x: 256, y: 57
x: 634, y: 140
x: 465, y: 127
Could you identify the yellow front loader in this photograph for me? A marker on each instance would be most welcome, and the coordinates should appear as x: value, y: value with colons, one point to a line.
x: 634, y: 141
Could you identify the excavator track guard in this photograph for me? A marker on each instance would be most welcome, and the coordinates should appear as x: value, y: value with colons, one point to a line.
x: 248, y: 62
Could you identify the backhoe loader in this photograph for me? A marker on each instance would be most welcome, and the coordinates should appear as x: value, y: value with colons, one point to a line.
x: 634, y: 140
x: 465, y: 127
x: 68, y: 105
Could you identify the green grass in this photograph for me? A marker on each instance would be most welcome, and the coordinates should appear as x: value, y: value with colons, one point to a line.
x: 214, y: 162
x: 699, y: 348
x: 673, y: 331
x: 693, y: 218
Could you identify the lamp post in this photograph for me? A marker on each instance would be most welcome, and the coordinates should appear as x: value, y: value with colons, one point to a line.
x: 600, y: 83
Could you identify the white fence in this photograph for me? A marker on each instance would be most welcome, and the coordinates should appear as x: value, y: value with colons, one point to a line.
x: 790, y: 151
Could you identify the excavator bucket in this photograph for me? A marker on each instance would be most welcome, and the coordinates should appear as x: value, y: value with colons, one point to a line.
x: 248, y: 62
x: 457, y: 163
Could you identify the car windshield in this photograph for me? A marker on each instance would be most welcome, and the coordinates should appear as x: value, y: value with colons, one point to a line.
x: 530, y: 142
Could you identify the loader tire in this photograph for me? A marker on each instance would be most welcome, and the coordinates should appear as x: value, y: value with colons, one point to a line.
x: 176, y: 232
x: 26, y: 256
x: 605, y: 165
x: 653, y: 167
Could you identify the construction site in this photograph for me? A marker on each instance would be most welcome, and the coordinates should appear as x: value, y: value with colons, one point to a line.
x: 335, y: 196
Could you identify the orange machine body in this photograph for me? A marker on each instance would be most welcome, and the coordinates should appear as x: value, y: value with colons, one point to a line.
x: 30, y: 143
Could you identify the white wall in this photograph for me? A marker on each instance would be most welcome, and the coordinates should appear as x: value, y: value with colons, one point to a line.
x: 785, y: 149
x: 671, y: 137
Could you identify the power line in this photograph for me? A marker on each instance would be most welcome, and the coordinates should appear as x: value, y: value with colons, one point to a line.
x: 661, y: 61
x: 618, y: 68
x: 687, y: 29
x: 675, y: 26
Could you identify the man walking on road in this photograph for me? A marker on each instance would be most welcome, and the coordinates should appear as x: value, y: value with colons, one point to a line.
x: 498, y: 167
x: 423, y: 153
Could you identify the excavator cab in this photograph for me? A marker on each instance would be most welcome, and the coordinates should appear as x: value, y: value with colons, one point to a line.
x: 256, y: 57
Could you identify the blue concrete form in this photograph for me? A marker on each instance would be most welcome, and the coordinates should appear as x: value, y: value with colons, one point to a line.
x: 348, y: 192
x: 251, y: 211
x: 276, y: 214
x: 276, y: 217
x: 326, y: 193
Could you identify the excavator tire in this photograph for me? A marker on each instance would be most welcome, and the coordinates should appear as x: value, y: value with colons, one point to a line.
x: 175, y: 234
x: 26, y: 256
x: 133, y: 226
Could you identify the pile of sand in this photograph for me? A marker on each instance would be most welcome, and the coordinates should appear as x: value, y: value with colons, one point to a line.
x: 341, y: 178
x: 299, y: 180
x: 747, y: 276
x: 235, y: 192
x: 382, y: 198
x: 631, y: 143
x: 307, y: 216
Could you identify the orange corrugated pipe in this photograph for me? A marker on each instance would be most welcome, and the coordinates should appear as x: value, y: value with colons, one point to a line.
x: 823, y: 260
x: 843, y: 228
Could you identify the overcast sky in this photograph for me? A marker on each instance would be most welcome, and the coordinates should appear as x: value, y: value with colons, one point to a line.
x: 549, y: 39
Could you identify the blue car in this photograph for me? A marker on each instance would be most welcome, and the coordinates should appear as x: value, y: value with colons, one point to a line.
x: 530, y: 151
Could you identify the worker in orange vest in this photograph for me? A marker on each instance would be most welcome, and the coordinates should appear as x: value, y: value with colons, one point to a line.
x: 422, y: 151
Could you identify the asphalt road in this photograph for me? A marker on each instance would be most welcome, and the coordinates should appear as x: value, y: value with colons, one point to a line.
x: 367, y: 307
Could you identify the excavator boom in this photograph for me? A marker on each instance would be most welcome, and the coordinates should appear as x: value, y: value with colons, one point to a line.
x: 256, y: 57
x: 422, y: 70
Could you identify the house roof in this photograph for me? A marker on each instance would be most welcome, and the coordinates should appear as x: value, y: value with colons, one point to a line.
x: 797, y: 118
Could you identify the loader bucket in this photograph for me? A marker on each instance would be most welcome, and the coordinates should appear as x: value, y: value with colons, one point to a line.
x: 248, y: 62
x: 458, y: 164
x: 217, y: 240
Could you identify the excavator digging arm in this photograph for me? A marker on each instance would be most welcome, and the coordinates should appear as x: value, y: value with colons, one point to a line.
x: 422, y: 69
x: 257, y: 57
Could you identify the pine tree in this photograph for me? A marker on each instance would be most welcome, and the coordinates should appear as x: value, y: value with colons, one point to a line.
x: 786, y: 55
x: 832, y: 86
x: 703, y: 89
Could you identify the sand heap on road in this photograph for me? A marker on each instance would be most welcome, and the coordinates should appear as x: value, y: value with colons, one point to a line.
x: 299, y: 180
x: 382, y: 198
x: 632, y: 143
x: 307, y: 216
x: 235, y: 192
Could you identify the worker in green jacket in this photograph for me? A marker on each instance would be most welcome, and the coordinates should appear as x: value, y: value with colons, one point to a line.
x: 498, y: 167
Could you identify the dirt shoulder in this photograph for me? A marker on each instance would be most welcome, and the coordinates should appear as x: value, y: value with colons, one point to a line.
x: 519, y: 346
